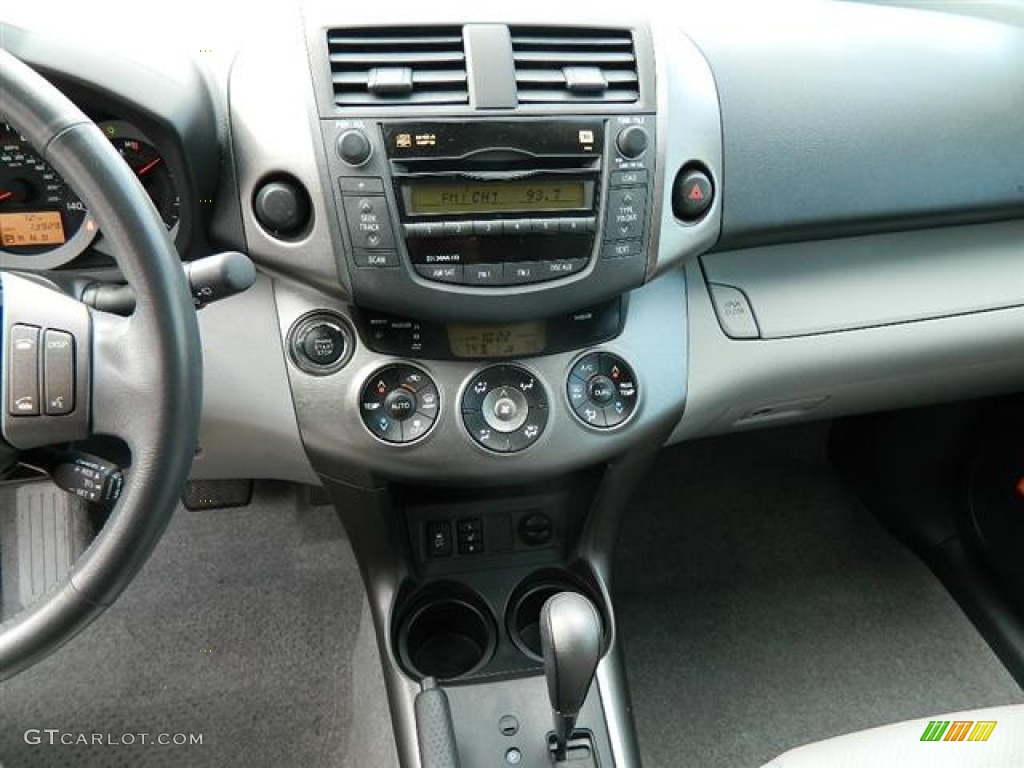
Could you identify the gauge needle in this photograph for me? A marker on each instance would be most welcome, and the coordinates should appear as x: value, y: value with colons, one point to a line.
x: 147, y: 167
x: 5, y: 195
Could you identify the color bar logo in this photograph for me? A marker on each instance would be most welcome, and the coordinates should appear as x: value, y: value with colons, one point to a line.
x: 958, y: 730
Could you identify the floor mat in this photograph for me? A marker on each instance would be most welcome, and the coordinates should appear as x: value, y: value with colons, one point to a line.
x: 239, y: 629
x: 762, y: 607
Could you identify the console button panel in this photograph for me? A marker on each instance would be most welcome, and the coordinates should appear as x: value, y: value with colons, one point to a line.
x: 602, y: 390
x: 505, y: 408
x: 399, y: 404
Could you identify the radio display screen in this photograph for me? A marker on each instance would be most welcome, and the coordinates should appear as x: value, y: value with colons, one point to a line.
x: 426, y: 198
x: 485, y: 341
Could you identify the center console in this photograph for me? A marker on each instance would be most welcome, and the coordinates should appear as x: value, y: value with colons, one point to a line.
x: 481, y: 360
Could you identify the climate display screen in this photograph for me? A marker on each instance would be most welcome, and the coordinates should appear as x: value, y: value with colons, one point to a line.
x: 514, y: 340
x: 453, y: 198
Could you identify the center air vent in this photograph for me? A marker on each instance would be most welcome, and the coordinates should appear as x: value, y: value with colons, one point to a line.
x: 397, y: 66
x: 570, y: 64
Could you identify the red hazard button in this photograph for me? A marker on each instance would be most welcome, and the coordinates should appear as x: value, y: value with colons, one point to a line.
x: 692, y: 194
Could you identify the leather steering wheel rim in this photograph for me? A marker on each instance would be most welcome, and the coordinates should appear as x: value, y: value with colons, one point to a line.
x: 156, y: 393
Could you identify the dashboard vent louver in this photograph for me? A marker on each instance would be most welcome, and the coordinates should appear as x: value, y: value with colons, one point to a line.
x: 572, y: 64
x: 399, y: 66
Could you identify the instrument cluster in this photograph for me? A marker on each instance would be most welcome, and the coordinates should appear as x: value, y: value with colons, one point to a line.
x: 43, y: 221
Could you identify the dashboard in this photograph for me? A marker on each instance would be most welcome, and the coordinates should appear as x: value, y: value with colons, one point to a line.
x: 499, y: 247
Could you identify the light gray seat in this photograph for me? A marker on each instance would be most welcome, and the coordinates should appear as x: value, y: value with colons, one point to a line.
x: 959, y: 740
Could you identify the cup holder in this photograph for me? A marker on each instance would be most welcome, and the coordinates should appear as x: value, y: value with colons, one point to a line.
x: 523, y: 617
x: 447, y: 634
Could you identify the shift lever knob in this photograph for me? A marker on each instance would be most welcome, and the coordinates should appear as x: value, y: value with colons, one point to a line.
x: 570, y: 637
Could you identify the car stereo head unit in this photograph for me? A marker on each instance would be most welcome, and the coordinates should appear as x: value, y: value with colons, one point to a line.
x: 490, y: 207
x: 474, y: 197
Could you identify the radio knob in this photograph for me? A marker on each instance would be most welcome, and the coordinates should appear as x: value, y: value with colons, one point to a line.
x: 631, y: 141
x: 353, y: 147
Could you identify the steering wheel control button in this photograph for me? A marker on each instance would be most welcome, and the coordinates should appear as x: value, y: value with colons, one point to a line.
x: 24, y: 371
x: 692, y: 194
x: 353, y: 147
x: 504, y: 408
x: 602, y: 390
x: 59, y: 372
x: 399, y: 404
x: 321, y: 343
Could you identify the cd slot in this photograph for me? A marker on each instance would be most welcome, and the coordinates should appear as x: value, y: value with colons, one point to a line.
x: 505, y: 161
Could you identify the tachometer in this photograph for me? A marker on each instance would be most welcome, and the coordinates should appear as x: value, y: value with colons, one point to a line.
x: 40, y: 215
x: 151, y: 168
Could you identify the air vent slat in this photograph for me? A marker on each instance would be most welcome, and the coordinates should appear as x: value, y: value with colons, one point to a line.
x: 551, y: 96
x: 575, y: 65
x: 394, y: 41
x: 397, y: 66
x: 360, y: 78
x: 370, y: 58
x: 557, y: 76
x: 597, y: 43
x: 575, y: 57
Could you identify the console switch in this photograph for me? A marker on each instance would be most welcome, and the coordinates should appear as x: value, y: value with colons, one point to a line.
x: 470, y: 534
x: 439, y: 539
x: 369, y: 222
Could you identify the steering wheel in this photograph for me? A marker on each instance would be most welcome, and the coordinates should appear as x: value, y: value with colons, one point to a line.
x: 137, y: 378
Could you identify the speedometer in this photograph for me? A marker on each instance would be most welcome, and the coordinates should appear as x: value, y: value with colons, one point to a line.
x: 40, y: 215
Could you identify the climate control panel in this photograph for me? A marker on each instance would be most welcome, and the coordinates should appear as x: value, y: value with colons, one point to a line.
x: 399, y: 404
x: 505, y: 408
x: 602, y: 390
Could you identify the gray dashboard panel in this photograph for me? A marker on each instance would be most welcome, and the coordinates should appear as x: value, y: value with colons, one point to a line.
x: 820, y: 287
x: 841, y: 118
x: 689, y: 132
x: 271, y: 100
x: 737, y: 385
x: 248, y: 427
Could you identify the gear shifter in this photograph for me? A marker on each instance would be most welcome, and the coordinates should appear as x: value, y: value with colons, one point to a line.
x: 570, y: 636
